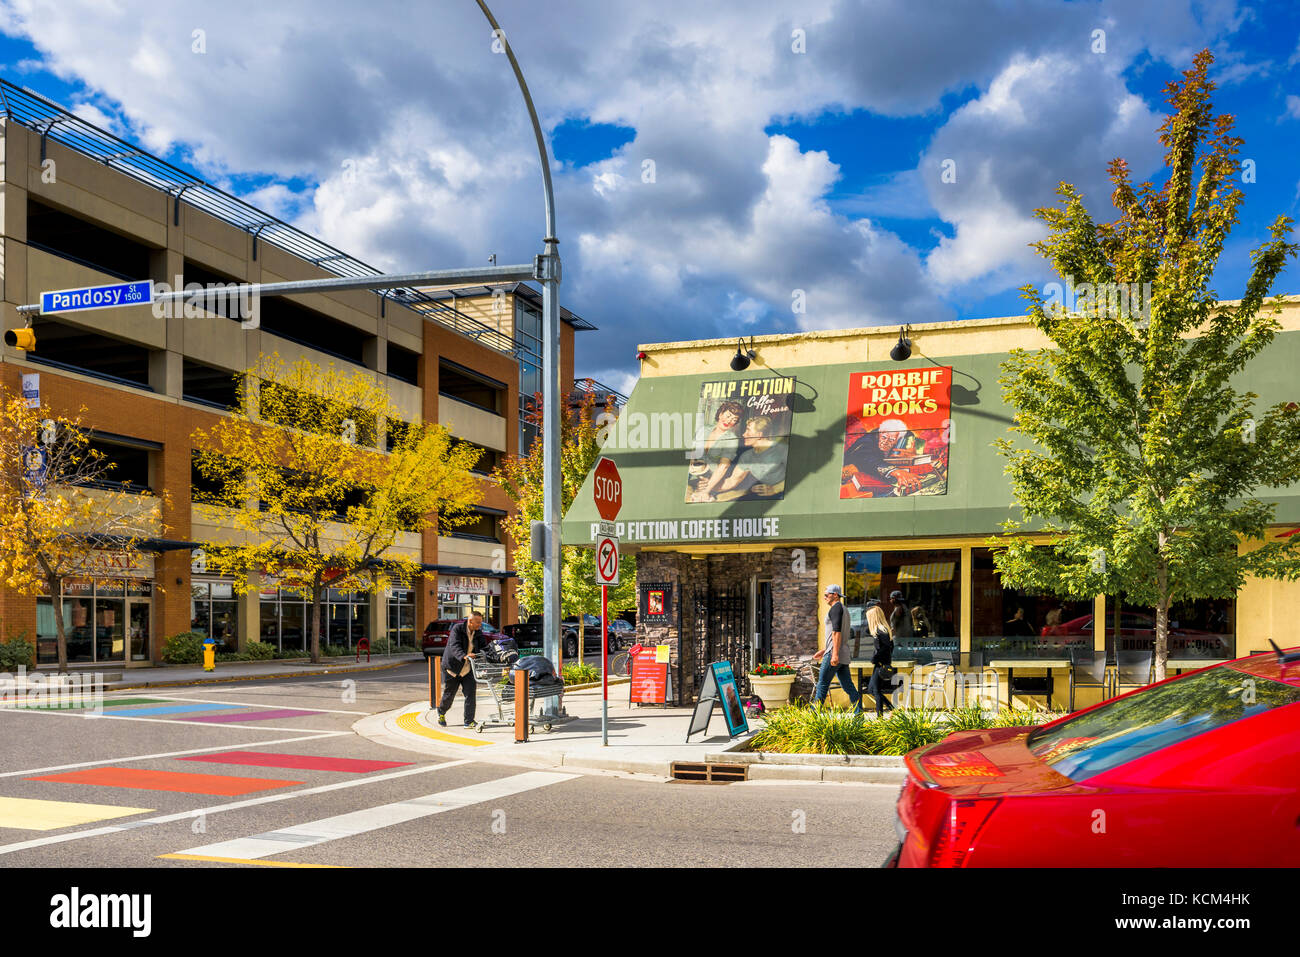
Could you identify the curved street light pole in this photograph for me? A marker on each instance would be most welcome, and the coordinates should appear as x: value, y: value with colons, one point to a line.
x: 550, y: 279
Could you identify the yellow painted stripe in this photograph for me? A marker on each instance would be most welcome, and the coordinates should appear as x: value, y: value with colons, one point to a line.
x: 30, y: 815
x: 241, y: 860
x: 411, y: 722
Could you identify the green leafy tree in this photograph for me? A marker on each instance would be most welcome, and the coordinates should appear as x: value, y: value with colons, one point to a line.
x: 1144, y: 460
x: 521, y: 478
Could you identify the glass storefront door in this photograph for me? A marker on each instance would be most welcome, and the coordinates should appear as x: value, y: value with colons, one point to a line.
x: 104, y: 621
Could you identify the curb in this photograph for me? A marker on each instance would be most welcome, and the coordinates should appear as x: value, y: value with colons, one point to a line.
x: 805, y: 760
x: 116, y: 686
x: 596, y: 684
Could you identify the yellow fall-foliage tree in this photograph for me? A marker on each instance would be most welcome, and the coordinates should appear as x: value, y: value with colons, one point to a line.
x: 316, y: 504
x: 60, y: 506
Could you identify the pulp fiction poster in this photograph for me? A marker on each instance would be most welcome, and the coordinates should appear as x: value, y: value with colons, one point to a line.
x: 742, y: 440
x: 896, y: 434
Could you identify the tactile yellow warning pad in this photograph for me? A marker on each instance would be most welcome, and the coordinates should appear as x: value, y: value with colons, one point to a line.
x: 411, y: 722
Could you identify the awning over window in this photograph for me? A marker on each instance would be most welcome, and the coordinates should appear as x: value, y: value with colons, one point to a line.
x: 932, y: 572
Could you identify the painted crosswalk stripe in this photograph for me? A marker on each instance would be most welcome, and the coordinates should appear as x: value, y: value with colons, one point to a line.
x: 176, y: 709
x: 25, y: 814
x: 298, y: 762
x: 219, y: 808
x: 254, y: 716
x: 183, y: 782
x: 297, y: 837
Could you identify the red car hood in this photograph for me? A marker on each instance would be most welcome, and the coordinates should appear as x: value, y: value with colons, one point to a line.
x: 987, y: 763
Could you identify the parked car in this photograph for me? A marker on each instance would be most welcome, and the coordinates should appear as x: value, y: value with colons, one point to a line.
x: 434, y: 639
x: 622, y: 634
x: 531, y: 633
x: 1124, y: 782
x: 527, y: 635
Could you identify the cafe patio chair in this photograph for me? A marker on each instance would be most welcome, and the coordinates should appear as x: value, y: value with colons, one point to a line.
x: 1133, y: 670
x: 1088, y: 669
x: 937, y: 680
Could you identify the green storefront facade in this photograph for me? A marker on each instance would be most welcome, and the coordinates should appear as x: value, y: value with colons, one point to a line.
x: 746, y: 493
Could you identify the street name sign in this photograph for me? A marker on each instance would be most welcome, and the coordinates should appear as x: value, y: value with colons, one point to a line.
x: 98, y: 297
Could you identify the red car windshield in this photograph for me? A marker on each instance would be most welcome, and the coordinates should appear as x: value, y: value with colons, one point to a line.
x: 1129, y: 728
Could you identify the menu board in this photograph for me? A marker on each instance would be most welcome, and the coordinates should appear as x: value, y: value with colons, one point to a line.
x: 649, y: 676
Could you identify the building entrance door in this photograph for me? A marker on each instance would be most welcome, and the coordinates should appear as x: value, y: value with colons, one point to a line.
x: 720, y: 632
x: 138, y: 628
x: 764, y: 621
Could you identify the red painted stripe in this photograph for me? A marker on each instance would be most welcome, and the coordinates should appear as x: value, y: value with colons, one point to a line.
x: 167, y: 781
x: 301, y: 762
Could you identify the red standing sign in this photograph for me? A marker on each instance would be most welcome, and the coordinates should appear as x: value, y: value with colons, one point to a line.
x: 607, y: 490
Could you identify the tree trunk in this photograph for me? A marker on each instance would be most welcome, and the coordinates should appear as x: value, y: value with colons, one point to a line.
x: 316, y: 590
x: 1162, y: 621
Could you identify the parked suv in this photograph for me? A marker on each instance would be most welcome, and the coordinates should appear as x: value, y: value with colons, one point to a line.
x: 529, y: 634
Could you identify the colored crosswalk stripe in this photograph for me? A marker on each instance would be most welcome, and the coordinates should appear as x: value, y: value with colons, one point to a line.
x: 300, y: 836
x: 298, y: 762
x: 411, y: 722
x: 179, y: 709
x: 255, y: 716
x: 180, y: 781
x: 30, y: 815
x: 121, y: 702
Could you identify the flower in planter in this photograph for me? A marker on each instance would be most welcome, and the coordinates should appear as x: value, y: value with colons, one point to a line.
x: 771, y: 671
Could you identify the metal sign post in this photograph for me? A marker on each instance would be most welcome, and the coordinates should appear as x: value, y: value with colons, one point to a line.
x: 607, y: 562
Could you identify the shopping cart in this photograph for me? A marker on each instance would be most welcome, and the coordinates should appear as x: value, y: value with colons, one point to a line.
x: 496, y: 674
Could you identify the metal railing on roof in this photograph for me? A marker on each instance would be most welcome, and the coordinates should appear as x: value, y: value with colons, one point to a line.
x: 589, y: 386
x: 53, y: 122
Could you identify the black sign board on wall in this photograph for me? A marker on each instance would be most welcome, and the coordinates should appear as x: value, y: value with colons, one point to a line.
x: 657, y: 603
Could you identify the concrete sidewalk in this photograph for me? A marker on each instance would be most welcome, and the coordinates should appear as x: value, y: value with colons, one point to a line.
x: 643, y: 739
x: 162, y: 676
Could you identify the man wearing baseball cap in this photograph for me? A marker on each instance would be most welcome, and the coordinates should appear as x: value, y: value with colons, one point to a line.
x: 835, y: 656
x: 900, y: 622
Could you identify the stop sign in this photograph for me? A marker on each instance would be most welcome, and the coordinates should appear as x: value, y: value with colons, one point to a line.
x: 607, y: 489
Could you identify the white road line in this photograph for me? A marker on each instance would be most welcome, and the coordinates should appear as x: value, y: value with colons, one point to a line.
x: 255, y: 704
x: 233, y: 806
x: 172, y: 754
x: 299, y: 836
x: 195, y: 724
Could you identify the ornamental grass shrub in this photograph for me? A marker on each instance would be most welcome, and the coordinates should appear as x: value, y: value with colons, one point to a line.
x: 580, y: 673
x: 803, y: 729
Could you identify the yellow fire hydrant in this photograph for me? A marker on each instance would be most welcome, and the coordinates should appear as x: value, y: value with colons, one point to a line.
x: 210, y: 655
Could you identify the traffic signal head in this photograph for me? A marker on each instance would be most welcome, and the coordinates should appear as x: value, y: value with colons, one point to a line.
x: 24, y: 339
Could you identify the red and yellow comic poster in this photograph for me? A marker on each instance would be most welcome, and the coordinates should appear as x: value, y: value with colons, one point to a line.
x: 896, y: 433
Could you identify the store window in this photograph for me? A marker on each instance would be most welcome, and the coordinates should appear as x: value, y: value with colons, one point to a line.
x: 282, y: 618
x: 927, y: 619
x: 1205, y: 628
x: 345, y: 617
x: 214, y: 612
x: 1016, y: 623
x: 401, y: 618
x: 455, y: 605
x: 103, y: 621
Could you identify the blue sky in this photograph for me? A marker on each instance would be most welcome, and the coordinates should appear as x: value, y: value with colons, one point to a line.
x: 771, y: 169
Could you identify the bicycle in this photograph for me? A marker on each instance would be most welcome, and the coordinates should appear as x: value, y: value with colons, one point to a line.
x: 620, y: 665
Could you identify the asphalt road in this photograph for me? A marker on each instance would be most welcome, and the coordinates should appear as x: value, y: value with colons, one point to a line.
x: 419, y: 812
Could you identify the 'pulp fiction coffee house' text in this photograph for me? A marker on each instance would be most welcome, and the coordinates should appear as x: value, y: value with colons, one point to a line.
x: 747, y: 493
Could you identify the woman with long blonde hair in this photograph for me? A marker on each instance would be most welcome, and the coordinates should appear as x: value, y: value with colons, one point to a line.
x: 882, y: 657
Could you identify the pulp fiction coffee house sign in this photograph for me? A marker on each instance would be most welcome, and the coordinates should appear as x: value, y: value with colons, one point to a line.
x: 768, y: 457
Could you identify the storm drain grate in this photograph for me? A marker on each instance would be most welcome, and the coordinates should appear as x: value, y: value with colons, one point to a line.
x: 710, y: 773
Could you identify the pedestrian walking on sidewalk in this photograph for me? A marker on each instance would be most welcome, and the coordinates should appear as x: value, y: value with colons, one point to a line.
x: 882, y: 658
x: 835, y: 656
x: 465, y: 641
